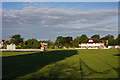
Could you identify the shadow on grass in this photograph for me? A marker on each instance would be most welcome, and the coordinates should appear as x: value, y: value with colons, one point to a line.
x: 116, y: 54
x: 20, y: 65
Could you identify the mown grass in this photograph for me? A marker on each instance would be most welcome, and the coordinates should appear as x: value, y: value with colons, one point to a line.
x: 20, y: 65
x: 101, y: 63
x: 7, y: 54
x: 62, y: 64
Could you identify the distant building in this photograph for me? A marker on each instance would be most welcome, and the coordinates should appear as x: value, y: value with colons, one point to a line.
x: 9, y: 41
x: 45, y: 44
x: 42, y: 46
x: 92, y: 43
x: 56, y: 47
x: 11, y: 47
x: 1, y: 43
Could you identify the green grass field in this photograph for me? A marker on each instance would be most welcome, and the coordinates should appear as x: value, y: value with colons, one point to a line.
x: 61, y: 64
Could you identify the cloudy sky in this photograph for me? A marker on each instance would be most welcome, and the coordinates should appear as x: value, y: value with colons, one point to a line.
x: 47, y: 20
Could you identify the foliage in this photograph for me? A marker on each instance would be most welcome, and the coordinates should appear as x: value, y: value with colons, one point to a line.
x: 110, y: 38
x: 24, y: 46
x: 60, y: 41
x: 32, y: 44
x: 78, y: 40
x: 63, y: 41
x: 96, y: 36
x: 75, y: 42
x: 18, y: 47
x: 16, y: 39
x: 82, y: 38
x: 7, y: 43
x: 118, y: 40
x: 4, y: 47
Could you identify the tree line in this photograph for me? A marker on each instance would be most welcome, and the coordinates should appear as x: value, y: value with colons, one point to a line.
x: 60, y: 41
x: 75, y: 43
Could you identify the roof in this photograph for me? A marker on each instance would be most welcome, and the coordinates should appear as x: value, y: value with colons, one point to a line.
x: 42, y: 44
x: 7, y: 40
x: 1, y: 40
x: 91, y: 40
x: 24, y: 41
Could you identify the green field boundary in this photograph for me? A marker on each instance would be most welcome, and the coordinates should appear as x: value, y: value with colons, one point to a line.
x: 80, y: 65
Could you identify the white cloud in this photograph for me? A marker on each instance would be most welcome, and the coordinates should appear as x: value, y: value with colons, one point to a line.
x: 37, y: 20
x: 103, y: 30
x: 56, y: 17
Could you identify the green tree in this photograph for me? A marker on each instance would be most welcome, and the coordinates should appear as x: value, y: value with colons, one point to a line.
x: 75, y: 42
x: 50, y: 43
x: 16, y: 39
x: 112, y: 42
x: 82, y: 38
x: 96, y: 36
x: 78, y: 40
x: 23, y: 46
x: 110, y: 38
x: 60, y: 41
x: 33, y: 44
x: 118, y: 40
x: 7, y: 43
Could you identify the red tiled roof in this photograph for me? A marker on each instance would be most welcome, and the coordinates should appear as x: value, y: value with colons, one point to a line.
x: 24, y: 41
x: 91, y: 40
x: 6, y: 41
x: 0, y: 40
x: 42, y: 44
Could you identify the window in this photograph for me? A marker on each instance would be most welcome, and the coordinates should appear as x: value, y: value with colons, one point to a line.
x: 96, y: 46
x: 83, y: 46
x: 90, y: 47
x: 90, y: 41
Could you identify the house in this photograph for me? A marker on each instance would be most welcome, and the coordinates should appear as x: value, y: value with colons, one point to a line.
x: 11, y: 47
x: 3, y: 42
x: 45, y: 44
x: 92, y: 43
x: 42, y: 46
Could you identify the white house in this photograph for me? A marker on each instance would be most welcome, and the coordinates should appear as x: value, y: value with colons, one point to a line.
x: 11, y: 47
x: 92, y: 43
x: 1, y: 43
x: 45, y: 44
